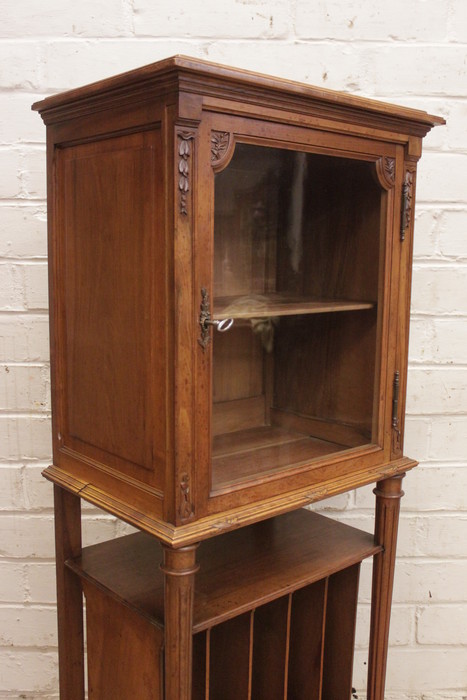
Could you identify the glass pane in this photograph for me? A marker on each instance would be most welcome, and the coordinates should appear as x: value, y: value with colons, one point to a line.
x: 296, y: 266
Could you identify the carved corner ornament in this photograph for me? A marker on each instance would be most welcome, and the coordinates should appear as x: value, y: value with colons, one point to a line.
x: 220, y: 141
x: 186, y: 507
x: 184, y: 153
x: 386, y: 170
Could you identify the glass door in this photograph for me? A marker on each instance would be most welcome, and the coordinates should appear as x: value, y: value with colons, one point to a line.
x: 297, y: 241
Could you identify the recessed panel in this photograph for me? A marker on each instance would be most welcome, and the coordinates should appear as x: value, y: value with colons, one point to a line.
x: 113, y: 350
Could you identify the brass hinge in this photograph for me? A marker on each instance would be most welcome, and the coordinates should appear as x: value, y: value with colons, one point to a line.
x: 395, y: 399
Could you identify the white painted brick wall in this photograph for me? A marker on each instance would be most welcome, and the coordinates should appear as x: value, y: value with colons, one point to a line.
x: 405, y: 52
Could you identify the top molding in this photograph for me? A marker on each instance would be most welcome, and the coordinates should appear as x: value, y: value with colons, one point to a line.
x: 204, y: 78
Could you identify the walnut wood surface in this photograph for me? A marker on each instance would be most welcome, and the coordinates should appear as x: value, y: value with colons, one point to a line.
x: 275, y: 557
x: 339, y: 634
x: 388, y: 497
x: 69, y: 596
x: 124, y: 652
x: 179, y: 568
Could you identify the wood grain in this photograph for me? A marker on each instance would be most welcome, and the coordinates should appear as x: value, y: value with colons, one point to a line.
x: 275, y: 557
x: 124, y: 651
x: 69, y: 595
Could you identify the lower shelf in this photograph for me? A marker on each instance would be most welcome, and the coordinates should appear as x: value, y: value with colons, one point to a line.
x: 273, y: 617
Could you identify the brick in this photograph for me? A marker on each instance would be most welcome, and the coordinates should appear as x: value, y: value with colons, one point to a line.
x: 456, y: 138
x: 423, y: 581
x: 23, y: 671
x: 436, y: 488
x: 24, y: 387
x: 74, y: 63
x: 40, y: 582
x: 427, y: 224
x: 23, y: 233
x: 414, y: 671
x: 11, y: 488
x: 439, y: 290
x: 33, y: 173
x: 18, y: 123
x: 25, y: 437
x: 253, y: 19
x: 28, y: 627
x: 330, y: 65
x: 417, y: 437
x: 424, y: 669
x: 448, y: 341
x: 11, y: 288
x: 445, y: 624
x: 30, y: 18
x: 422, y: 337
x: 24, y: 338
x: 457, y: 21
x: 401, y: 630
x: 449, y: 439
x: 98, y: 529
x: 26, y: 536
x: 19, y: 64
x: 438, y: 178
x: 10, y: 165
x: 442, y: 536
x: 426, y: 488
x: 331, y: 19
x: 12, y: 582
x: 453, y: 233
x: 434, y: 391
x: 38, y: 492
x: 414, y: 70
x: 36, y: 286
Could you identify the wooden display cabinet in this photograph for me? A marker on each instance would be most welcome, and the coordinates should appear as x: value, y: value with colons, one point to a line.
x: 230, y: 261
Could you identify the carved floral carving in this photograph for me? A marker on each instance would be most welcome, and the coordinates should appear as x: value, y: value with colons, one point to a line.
x: 407, y: 202
x: 389, y: 167
x: 386, y: 172
x: 184, y: 152
x: 219, y: 144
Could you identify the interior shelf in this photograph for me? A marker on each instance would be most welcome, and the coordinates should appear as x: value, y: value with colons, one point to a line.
x: 276, y: 304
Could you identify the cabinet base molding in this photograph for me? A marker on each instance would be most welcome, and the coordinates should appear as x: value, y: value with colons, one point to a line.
x: 205, y: 528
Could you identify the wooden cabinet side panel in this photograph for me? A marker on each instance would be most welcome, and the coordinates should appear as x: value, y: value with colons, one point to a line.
x: 108, y: 258
x: 124, y: 651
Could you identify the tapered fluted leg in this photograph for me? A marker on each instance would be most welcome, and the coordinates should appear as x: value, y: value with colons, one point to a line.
x: 388, y: 494
x: 69, y: 596
x: 179, y: 568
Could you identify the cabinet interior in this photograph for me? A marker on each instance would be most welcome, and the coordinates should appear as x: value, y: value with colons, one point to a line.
x: 297, y: 248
